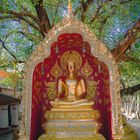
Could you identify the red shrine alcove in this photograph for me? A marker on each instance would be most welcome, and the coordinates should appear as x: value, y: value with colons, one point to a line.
x: 49, y: 70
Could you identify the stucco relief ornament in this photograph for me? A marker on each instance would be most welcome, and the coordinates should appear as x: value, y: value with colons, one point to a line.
x: 56, y: 70
x: 51, y: 89
x: 87, y: 70
x: 91, y: 89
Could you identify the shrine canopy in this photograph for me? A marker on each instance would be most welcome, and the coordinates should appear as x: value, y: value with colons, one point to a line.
x: 71, y: 35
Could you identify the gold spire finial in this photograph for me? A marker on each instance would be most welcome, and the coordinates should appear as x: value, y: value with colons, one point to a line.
x: 69, y: 7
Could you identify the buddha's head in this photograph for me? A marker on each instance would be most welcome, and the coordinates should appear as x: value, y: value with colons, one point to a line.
x: 71, y: 61
x: 71, y: 66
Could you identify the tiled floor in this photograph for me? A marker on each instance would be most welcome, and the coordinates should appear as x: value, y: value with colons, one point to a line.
x: 136, y: 125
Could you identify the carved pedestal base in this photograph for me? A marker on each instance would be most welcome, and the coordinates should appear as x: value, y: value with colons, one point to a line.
x: 72, y: 125
x: 96, y: 137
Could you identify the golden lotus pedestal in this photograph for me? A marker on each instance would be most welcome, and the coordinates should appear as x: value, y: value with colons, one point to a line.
x: 72, y: 123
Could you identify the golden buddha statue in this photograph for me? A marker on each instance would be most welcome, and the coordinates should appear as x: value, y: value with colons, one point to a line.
x: 74, y: 88
x: 72, y: 115
x: 71, y: 92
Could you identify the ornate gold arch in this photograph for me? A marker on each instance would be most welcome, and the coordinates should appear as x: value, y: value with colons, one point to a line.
x: 72, y: 25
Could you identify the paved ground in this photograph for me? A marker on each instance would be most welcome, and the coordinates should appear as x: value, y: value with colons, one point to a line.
x: 7, y: 137
x: 136, y: 126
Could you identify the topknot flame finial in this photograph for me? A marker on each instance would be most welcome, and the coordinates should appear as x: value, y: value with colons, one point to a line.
x: 69, y: 7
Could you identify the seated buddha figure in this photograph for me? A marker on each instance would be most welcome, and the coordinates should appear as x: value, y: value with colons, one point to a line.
x: 71, y: 89
x: 74, y: 87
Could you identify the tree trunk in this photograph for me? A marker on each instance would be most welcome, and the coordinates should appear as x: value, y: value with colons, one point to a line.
x: 132, y: 99
x: 44, y: 22
x: 137, y: 107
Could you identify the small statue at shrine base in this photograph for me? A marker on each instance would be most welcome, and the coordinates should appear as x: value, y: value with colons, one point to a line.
x: 72, y: 116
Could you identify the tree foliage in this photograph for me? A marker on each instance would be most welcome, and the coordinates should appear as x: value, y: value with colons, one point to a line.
x: 24, y: 23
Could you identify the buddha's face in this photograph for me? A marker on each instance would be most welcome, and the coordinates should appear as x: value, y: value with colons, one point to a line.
x: 71, y: 67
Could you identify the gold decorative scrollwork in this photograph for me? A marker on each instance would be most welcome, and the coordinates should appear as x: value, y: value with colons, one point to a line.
x: 73, y: 56
x: 91, y: 89
x: 51, y: 90
x: 87, y: 70
x: 56, y: 70
x: 73, y: 115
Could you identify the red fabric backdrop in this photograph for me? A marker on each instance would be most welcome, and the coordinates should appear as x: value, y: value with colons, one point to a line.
x: 42, y: 74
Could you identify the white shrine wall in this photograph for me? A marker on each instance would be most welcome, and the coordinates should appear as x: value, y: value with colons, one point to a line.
x: 4, y: 123
x: 14, y: 115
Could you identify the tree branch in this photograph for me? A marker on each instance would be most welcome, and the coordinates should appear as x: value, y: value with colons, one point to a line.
x: 22, y: 16
x: 129, y: 39
x: 78, y: 8
x: 6, y: 17
x: 55, y: 13
x: 98, y: 11
x: 126, y: 58
x: 130, y: 90
x: 3, y: 45
x: 85, y: 6
x: 44, y: 22
x: 19, y: 32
